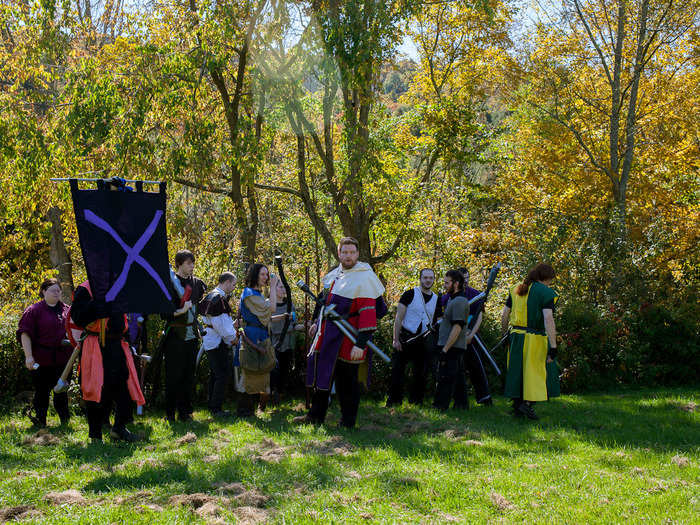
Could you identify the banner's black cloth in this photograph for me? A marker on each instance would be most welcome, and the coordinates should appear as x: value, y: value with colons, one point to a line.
x: 123, y: 240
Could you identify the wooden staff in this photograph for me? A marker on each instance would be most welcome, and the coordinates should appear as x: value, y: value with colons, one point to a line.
x: 63, y: 384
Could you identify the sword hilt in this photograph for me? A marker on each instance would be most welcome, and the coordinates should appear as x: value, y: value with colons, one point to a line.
x: 61, y: 386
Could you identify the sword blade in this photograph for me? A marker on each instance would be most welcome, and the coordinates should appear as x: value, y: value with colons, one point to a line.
x: 482, y: 347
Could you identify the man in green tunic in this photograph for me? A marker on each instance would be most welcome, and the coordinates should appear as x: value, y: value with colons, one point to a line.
x: 529, y: 310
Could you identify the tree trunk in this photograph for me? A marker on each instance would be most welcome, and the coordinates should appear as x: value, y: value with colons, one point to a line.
x: 60, y: 259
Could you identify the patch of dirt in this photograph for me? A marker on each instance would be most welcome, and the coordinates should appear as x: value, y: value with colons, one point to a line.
x: 231, y: 488
x: 333, y: 447
x: 42, y: 437
x: 418, y: 426
x: 213, y: 458
x: 149, y: 462
x: 531, y: 466
x: 150, y: 448
x: 86, y: 467
x: 299, y: 407
x: 500, y: 502
x: 448, y: 518
x: 225, y: 435
x: 688, y: 407
x: 250, y: 515
x: 354, y: 475
x: 190, y: 437
x: 142, y: 496
x: 377, y: 417
x: 67, y: 497
x: 638, y: 471
x: 194, y: 501
x: 300, y: 488
x: 343, y: 499
x: 268, y: 451
x: 366, y: 515
x: 251, y: 498
x: 660, y: 486
x: 681, y: 461
x: 473, y: 443
x: 20, y: 512
x: 621, y: 454
x: 450, y: 434
x: 210, y: 509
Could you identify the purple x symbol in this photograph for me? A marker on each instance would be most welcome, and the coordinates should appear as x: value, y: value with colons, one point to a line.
x: 133, y: 254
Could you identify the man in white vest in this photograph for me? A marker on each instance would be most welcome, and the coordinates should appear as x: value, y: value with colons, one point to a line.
x: 417, y: 311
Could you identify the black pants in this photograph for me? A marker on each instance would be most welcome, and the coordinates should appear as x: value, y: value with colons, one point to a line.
x: 347, y: 388
x: 219, y: 373
x: 279, y: 377
x: 115, y: 391
x: 432, y: 363
x: 415, y: 353
x: 44, y: 379
x: 477, y: 374
x: 452, y: 382
x: 180, y: 361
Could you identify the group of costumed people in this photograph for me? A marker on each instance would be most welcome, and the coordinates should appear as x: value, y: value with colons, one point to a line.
x: 434, y: 334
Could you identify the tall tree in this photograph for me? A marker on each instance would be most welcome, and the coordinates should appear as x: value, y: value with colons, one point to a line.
x: 594, y: 160
x: 348, y: 43
x: 212, y: 110
x: 587, y: 71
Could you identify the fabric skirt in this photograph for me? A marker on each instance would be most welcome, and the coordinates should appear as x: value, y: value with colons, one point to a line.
x: 255, y: 383
x: 527, y: 372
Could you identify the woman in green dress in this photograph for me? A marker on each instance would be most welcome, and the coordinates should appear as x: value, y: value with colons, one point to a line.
x: 529, y: 311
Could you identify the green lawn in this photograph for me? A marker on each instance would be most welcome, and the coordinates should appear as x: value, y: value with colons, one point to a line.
x: 606, y: 458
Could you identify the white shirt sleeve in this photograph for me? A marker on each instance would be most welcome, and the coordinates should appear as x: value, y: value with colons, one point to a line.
x: 221, y: 328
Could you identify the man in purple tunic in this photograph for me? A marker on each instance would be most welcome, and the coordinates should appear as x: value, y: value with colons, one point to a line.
x: 356, y: 292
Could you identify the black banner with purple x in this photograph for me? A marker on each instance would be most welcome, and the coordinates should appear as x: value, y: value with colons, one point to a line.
x: 124, y: 244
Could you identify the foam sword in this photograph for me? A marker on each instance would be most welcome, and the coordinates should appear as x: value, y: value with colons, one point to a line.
x: 343, y: 325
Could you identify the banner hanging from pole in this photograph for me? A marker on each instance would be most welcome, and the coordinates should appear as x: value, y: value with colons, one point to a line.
x: 123, y: 240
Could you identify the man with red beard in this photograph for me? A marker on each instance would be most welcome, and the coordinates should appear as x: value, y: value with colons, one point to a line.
x: 356, y: 292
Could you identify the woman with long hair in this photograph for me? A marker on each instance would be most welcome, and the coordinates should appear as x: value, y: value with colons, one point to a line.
x: 529, y: 310
x: 257, y: 356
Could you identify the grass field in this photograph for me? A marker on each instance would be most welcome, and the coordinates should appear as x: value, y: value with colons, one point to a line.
x: 609, y: 458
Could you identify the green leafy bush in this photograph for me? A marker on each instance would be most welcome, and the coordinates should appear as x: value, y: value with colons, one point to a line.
x: 666, y: 347
x: 15, y: 377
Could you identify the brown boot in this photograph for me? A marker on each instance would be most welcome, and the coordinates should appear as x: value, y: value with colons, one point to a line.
x: 264, y: 398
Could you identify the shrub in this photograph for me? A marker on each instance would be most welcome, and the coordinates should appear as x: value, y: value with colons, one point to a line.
x: 15, y: 377
x: 592, y: 348
x: 666, y: 345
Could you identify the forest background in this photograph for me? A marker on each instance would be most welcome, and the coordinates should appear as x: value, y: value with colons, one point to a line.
x: 563, y: 131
